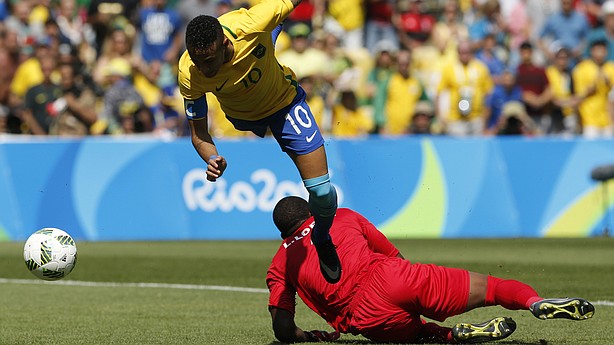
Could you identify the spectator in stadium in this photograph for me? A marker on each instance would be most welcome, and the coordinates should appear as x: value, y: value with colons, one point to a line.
x: 344, y: 18
x: 29, y: 72
x: 430, y: 58
x: 123, y: 111
x: 117, y: 45
x: 490, y: 23
x: 53, y: 33
x: 519, y: 26
x: 73, y: 26
x: 503, y: 93
x: 303, y: 59
x: 539, y: 11
x: 336, y: 56
x: 378, y: 23
x: 75, y: 111
x: 536, y: 92
x: 104, y: 16
x: 257, y: 94
x: 568, y: 29
x: 19, y: 22
x: 514, y: 120
x: 604, y: 32
x: 449, y: 29
x: 382, y: 296
x: 377, y: 81
x: 593, y: 79
x: 564, y: 100
x: 38, y: 99
x: 414, y: 26
x: 404, y: 92
x: 468, y: 82
x: 422, y: 119
x: 160, y: 35
x: 489, y: 55
x: 348, y: 118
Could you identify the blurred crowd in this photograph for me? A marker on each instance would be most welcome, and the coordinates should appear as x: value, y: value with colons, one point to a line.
x: 383, y: 67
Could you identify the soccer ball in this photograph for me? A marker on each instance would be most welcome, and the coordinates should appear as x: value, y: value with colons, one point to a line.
x: 50, y: 254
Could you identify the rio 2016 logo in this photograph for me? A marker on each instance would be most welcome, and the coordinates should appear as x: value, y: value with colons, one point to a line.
x: 261, y: 193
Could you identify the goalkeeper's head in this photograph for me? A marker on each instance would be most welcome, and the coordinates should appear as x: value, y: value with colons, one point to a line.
x: 289, y: 213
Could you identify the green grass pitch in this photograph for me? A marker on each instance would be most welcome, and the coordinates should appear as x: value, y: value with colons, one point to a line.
x: 116, y: 313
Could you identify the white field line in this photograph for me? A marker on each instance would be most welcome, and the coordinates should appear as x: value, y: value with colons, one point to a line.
x: 604, y: 303
x: 137, y: 285
x: 171, y: 286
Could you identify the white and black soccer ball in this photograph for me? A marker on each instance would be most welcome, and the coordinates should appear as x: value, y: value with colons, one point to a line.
x: 50, y: 254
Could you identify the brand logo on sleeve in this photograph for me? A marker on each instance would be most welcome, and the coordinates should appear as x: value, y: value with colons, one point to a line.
x: 259, y: 51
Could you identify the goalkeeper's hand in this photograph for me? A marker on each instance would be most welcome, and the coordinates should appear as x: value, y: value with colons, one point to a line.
x: 316, y: 336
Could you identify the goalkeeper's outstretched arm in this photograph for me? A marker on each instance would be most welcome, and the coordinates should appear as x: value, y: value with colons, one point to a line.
x: 286, y: 330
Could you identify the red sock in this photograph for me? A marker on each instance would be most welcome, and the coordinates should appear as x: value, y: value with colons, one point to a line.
x: 510, y: 294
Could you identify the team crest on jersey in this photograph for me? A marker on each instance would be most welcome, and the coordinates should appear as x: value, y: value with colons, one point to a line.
x: 259, y: 51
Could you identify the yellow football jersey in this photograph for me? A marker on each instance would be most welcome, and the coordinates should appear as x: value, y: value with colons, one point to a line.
x: 252, y: 85
x: 594, y: 108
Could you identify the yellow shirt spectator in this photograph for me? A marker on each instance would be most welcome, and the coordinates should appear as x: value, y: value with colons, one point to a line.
x: 428, y: 63
x: 348, y: 119
x: 587, y: 77
x: 470, y: 82
x: 560, y: 86
x: 403, y: 95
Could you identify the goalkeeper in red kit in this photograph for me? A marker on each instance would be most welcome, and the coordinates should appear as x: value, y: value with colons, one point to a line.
x: 383, y: 296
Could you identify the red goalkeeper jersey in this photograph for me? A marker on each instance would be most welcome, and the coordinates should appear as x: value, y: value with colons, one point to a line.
x: 295, y: 267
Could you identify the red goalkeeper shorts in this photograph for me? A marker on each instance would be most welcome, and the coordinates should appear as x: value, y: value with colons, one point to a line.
x: 391, y: 300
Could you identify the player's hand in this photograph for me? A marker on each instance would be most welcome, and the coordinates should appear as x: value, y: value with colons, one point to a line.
x: 215, y: 167
x: 316, y: 336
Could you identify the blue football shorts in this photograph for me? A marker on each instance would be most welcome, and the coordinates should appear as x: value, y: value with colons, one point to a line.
x: 294, y: 127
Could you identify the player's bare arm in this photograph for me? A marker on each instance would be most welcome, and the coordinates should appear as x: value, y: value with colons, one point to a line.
x: 204, y: 145
x: 286, y: 330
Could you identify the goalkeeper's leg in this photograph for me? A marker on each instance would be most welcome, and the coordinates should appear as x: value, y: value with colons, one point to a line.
x: 516, y: 295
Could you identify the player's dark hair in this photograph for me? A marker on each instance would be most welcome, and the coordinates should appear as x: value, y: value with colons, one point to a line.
x: 289, y: 213
x: 202, y: 32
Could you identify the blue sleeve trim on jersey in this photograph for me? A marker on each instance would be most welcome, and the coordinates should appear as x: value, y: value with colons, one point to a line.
x: 195, y: 109
x: 275, y: 33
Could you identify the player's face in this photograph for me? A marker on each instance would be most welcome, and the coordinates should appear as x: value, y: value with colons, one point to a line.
x: 210, y: 61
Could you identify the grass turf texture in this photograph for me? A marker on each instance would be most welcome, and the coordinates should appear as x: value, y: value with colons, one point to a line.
x: 55, y: 314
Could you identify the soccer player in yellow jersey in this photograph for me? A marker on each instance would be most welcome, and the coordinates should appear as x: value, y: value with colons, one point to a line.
x: 233, y: 57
